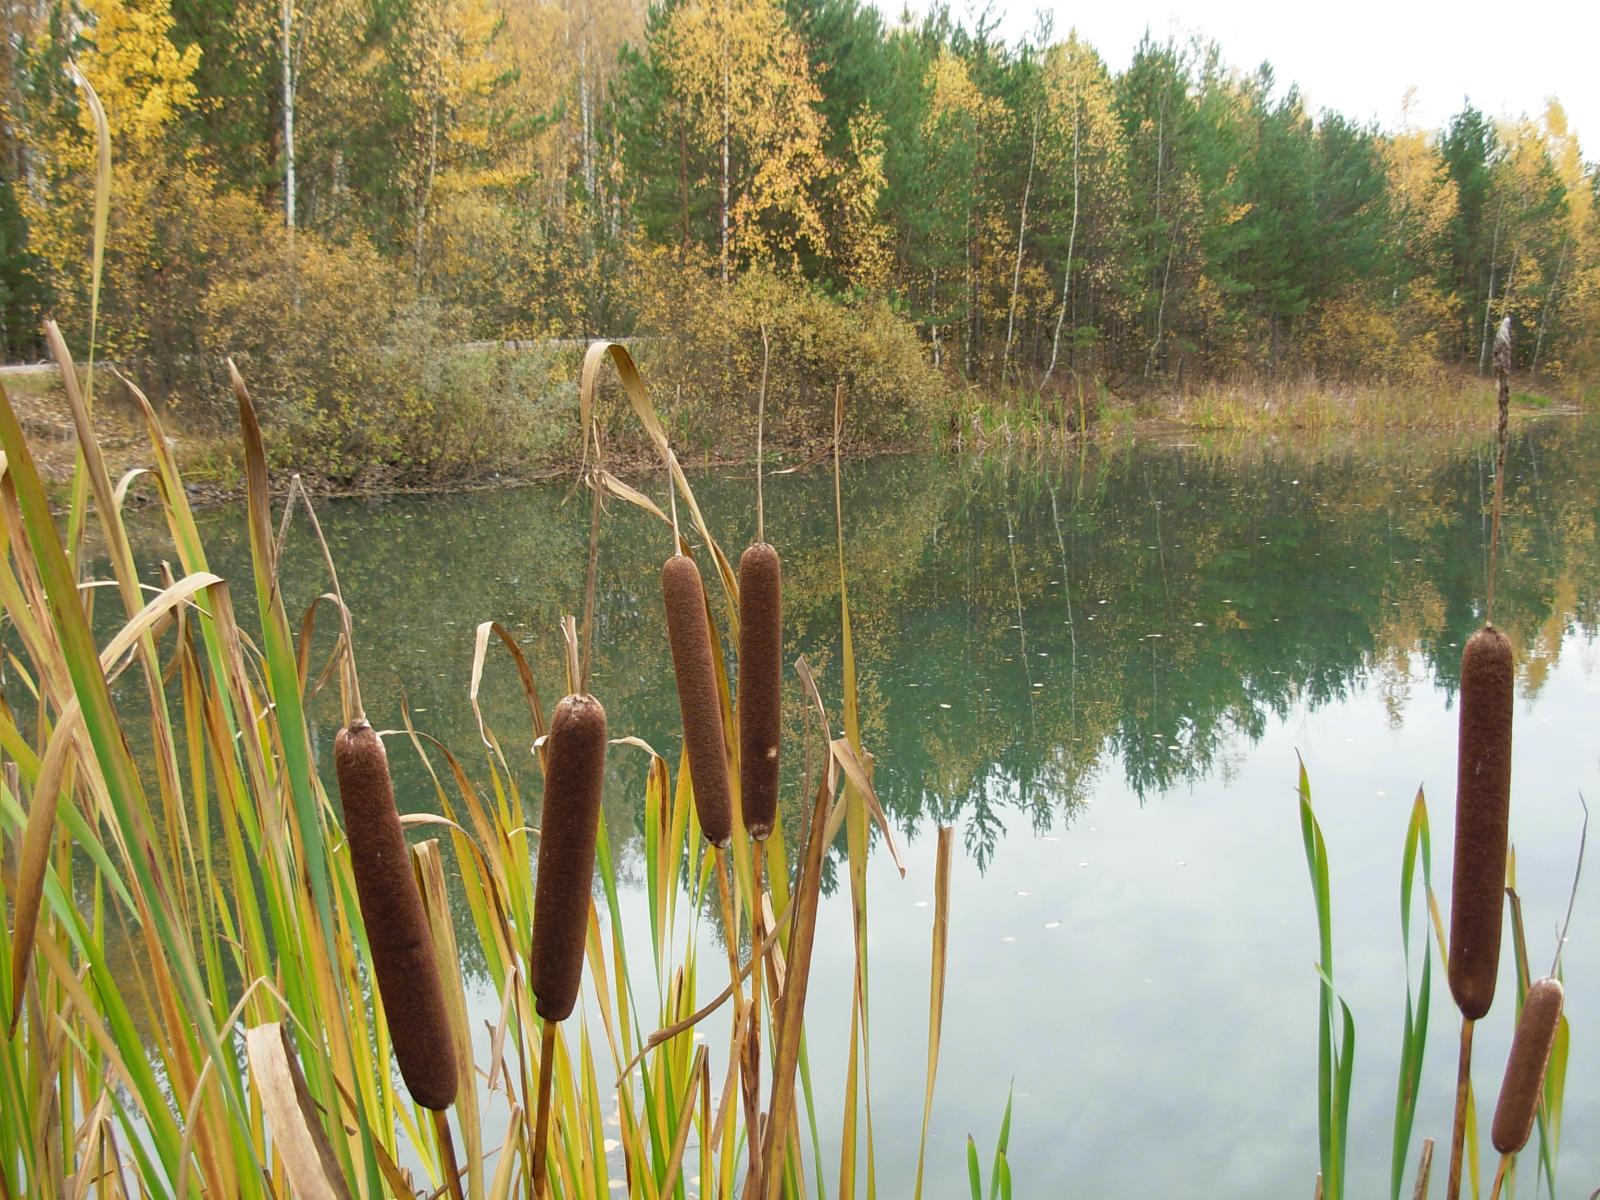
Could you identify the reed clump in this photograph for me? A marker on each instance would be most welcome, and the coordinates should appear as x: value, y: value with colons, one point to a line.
x: 575, y: 762
x: 1483, y: 809
x: 760, y: 690
x: 202, y: 825
x: 698, y: 706
x: 395, y: 920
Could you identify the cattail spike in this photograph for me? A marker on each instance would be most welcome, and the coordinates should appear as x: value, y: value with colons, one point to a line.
x: 760, y: 686
x: 1523, y: 1082
x: 575, y: 764
x: 396, y: 923
x: 1483, y: 809
x: 697, y: 696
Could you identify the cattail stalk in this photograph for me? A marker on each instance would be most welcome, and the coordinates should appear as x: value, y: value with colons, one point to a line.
x: 575, y: 758
x: 760, y: 686
x: 752, y: 1063
x: 689, y: 635
x: 1522, y: 1086
x: 403, y: 962
x: 447, y: 1153
x: 1452, y: 1188
x: 698, y: 706
x: 742, y: 1010
x: 541, y: 1126
x: 1483, y: 810
x: 760, y: 720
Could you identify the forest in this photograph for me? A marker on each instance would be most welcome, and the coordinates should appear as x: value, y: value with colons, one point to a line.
x: 400, y: 216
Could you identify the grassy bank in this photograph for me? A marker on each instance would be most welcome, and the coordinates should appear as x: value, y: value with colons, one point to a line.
x: 461, y: 417
x: 1447, y: 400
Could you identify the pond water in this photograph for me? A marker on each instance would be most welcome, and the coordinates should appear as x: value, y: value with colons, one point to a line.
x: 1099, y: 668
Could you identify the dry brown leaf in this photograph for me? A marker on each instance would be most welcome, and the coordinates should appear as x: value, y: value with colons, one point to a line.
x: 297, y: 1135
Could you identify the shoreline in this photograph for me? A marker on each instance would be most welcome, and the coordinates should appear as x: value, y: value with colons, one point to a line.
x: 209, y: 461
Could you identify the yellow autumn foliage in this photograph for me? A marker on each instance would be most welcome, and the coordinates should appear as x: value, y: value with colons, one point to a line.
x: 741, y: 73
x: 163, y: 210
x: 701, y: 348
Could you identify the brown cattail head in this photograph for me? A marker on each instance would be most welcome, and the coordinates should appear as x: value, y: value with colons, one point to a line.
x: 1483, y: 811
x: 396, y: 923
x: 697, y: 696
x: 1523, y: 1082
x: 760, y: 686
x: 575, y: 764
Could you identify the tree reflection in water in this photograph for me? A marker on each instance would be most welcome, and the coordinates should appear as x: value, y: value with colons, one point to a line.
x: 1021, y: 626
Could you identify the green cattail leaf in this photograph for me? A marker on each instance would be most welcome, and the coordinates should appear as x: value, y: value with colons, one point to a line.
x: 1001, y: 1144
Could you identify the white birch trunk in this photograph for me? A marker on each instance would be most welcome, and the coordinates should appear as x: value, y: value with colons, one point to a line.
x: 287, y: 52
x: 1072, y: 238
x: 1016, y: 272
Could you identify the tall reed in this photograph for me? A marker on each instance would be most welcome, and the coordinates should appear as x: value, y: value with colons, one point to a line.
x: 396, y: 924
x: 760, y: 654
x: 760, y: 720
x: 760, y: 694
x: 1483, y: 809
x: 575, y: 764
x: 698, y: 705
x: 1522, y: 1086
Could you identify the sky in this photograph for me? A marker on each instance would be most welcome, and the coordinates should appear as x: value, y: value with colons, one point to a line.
x: 1360, y: 56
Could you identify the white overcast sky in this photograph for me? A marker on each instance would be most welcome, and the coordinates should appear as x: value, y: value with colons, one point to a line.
x: 1360, y: 56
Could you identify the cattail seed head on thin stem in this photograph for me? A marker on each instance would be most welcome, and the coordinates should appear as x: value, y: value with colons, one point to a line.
x: 1483, y: 810
x: 760, y: 686
x: 575, y: 764
x: 697, y: 696
x: 1523, y: 1082
x: 396, y: 923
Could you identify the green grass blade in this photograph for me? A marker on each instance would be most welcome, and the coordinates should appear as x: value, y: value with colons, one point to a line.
x: 1001, y: 1144
x: 1316, y: 866
x: 936, y: 982
x: 1414, y: 1036
x: 1346, y: 1074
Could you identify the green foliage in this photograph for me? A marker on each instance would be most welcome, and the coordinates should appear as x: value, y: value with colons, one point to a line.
x: 23, y: 294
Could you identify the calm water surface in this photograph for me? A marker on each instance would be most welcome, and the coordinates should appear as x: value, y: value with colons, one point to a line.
x: 1099, y: 669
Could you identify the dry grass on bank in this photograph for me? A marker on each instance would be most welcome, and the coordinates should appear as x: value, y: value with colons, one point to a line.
x: 1448, y: 401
